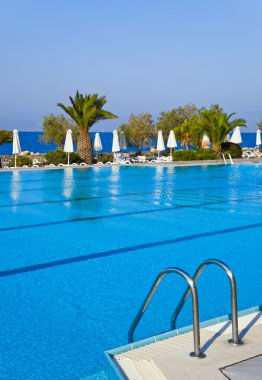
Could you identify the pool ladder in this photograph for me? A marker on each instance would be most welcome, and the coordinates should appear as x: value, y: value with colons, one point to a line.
x: 223, y: 155
x: 191, y: 289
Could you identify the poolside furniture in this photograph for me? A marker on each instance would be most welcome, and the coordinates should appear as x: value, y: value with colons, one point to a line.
x: 83, y: 164
x: 251, y: 154
x: 119, y: 158
x: 99, y: 163
x: 25, y: 166
x: 163, y: 159
x: 142, y: 159
x: 73, y: 164
x: 35, y: 166
x: 51, y: 166
x: 60, y: 164
x: 36, y: 162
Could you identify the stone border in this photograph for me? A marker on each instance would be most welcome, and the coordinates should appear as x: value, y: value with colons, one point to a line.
x: 162, y: 164
x: 115, y: 372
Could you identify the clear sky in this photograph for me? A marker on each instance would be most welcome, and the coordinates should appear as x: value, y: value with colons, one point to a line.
x: 144, y: 55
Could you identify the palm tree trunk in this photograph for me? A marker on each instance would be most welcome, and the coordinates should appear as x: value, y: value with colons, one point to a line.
x: 217, y: 147
x: 85, y: 147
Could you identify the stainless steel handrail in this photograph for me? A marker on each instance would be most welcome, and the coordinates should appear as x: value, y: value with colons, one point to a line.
x: 235, y: 337
x: 223, y: 157
x: 191, y: 285
x: 230, y: 158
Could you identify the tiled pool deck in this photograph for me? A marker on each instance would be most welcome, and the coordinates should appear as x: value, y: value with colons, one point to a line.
x: 168, y: 164
x: 166, y: 356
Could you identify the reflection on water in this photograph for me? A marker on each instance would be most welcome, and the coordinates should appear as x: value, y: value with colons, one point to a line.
x: 15, y: 186
x: 158, y: 184
x: 114, y: 180
x: 233, y: 188
x: 68, y: 183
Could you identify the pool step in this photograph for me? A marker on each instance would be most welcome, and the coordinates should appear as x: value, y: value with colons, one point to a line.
x: 169, y: 358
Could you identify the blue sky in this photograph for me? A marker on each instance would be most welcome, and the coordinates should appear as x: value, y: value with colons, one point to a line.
x: 145, y: 56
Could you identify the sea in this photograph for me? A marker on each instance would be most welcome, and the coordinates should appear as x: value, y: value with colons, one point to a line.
x: 30, y: 141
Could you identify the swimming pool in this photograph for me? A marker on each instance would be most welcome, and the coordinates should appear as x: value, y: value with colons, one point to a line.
x: 80, y: 249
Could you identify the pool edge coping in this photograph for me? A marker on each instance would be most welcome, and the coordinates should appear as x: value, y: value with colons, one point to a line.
x: 115, y: 370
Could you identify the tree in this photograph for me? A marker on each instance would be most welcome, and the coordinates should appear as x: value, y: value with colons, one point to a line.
x: 260, y: 125
x: 217, y: 125
x: 174, y: 118
x: 86, y: 110
x: 139, y: 130
x: 55, y: 128
x: 190, y: 132
x: 5, y: 136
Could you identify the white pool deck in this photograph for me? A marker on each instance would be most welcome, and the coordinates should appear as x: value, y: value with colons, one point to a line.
x: 169, y: 359
x: 163, y: 164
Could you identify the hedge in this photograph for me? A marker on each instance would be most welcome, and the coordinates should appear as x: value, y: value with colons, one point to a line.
x: 21, y: 161
x: 191, y: 155
x: 60, y: 157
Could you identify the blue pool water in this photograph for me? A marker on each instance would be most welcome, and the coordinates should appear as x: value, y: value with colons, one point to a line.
x: 80, y: 248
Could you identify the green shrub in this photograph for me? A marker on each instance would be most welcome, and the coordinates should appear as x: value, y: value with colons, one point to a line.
x: 60, y: 157
x: 191, y: 155
x: 21, y: 161
x: 104, y: 158
x: 234, y: 149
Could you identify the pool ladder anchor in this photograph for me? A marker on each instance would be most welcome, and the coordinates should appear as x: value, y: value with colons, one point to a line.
x: 192, y: 289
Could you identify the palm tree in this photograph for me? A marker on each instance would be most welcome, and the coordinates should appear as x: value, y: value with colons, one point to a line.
x: 86, y: 110
x: 5, y: 136
x: 217, y: 125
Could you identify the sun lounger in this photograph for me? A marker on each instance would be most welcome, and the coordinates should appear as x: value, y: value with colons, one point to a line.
x: 83, y: 164
x: 142, y: 159
x: 248, y: 154
x: 121, y: 159
x: 36, y: 162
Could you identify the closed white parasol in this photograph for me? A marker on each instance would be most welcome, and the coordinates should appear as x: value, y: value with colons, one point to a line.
x: 123, y: 145
x: 97, y: 143
x: 205, y: 141
x: 16, y: 144
x: 160, y: 142
x: 115, y: 144
x: 258, y: 138
x: 69, y: 147
x: 236, y: 136
x: 171, y: 142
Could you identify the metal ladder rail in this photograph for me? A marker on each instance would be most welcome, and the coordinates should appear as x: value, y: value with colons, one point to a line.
x: 235, y: 337
x: 223, y: 157
x: 230, y: 158
x: 191, y: 285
